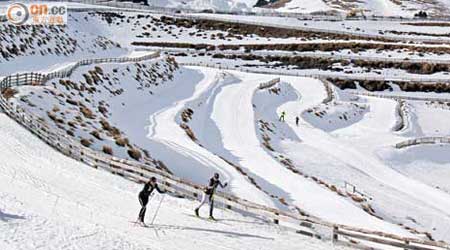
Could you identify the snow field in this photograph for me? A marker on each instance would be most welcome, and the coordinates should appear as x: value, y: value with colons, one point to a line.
x: 53, y: 202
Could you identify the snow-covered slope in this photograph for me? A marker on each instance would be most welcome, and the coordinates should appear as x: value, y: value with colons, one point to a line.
x: 51, y: 46
x: 195, y: 121
x: 49, y: 201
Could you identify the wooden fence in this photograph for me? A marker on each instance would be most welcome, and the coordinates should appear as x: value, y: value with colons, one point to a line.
x: 269, y: 84
x: 401, y: 97
x: 140, y: 172
x: 423, y: 140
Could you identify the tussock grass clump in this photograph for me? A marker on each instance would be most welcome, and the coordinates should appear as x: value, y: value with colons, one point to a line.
x: 85, y: 142
x: 96, y: 134
x: 107, y: 150
x: 122, y: 141
x: 135, y: 154
x: 87, y: 112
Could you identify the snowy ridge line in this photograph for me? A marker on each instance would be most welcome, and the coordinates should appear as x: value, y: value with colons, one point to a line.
x: 320, y: 75
x: 269, y: 84
x: 423, y: 140
x: 141, y: 172
x: 397, y: 97
x: 262, y: 12
x: 314, y: 55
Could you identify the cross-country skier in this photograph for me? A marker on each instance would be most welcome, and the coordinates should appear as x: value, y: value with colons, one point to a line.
x: 297, y: 120
x: 208, y: 195
x: 283, y: 114
x: 148, y: 189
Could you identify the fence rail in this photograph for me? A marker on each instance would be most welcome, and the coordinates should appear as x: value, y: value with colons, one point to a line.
x: 318, y: 55
x: 269, y: 84
x: 401, y: 97
x: 319, y: 75
x: 140, y: 172
x: 423, y: 140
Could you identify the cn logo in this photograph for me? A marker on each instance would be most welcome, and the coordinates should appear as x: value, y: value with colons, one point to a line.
x: 17, y: 13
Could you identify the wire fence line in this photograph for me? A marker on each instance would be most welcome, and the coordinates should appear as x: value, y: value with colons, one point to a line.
x: 332, y: 56
x: 141, y: 172
x: 318, y: 75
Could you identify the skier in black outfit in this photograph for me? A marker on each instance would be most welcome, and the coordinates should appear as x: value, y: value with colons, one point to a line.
x: 148, y: 189
x: 208, y: 195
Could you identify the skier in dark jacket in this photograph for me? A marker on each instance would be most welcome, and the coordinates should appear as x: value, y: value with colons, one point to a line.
x: 148, y: 189
x: 208, y: 195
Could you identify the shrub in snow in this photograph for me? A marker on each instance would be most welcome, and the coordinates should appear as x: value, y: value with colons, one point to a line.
x: 85, y: 142
x: 107, y: 150
x: 121, y: 141
x: 135, y: 154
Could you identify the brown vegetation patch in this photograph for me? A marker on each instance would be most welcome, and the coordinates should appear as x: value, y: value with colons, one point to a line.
x: 85, y: 142
x: 241, y: 29
x: 107, y: 150
x: 9, y: 92
x: 134, y: 153
x: 188, y: 131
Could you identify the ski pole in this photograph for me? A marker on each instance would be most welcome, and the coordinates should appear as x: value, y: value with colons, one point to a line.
x: 157, y: 209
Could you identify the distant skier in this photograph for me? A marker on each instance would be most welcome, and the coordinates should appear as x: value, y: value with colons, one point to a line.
x: 148, y: 189
x: 297, y: 120
x: 283, y: 114
x: 208, y: 195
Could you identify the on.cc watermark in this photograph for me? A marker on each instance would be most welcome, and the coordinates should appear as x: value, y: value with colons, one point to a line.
x: 37, y: 14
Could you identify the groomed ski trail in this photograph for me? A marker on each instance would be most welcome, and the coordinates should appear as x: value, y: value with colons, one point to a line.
x: 374, y: 133
x: 53, y: 202
x: 234, y: 115
x: 165, y: 130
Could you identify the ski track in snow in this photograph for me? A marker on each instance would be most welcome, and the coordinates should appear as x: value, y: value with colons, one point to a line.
x: 232, y: 113
x: 49, y: 201
x: 163, y: 129
x: 369, y: 135
x: 239, y: 137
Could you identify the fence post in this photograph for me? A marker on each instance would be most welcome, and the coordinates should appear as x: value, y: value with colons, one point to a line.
x: 407, y: 243
x: 335, y: 234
